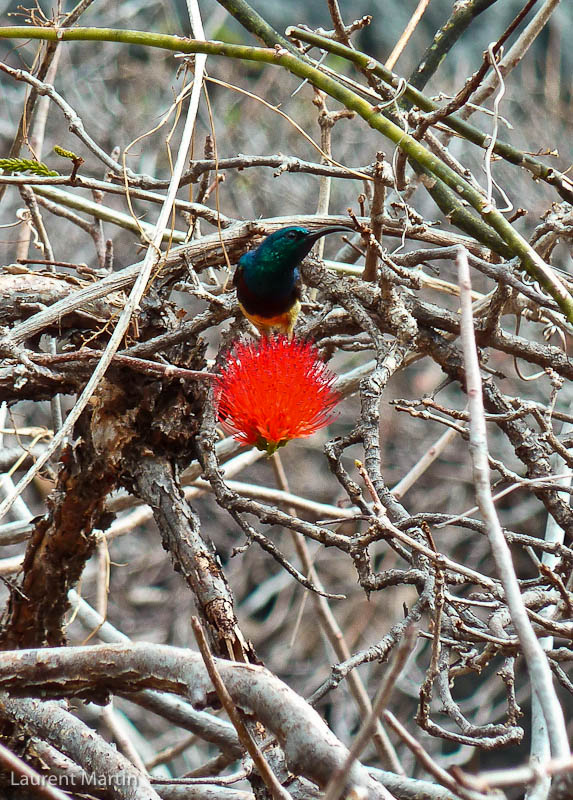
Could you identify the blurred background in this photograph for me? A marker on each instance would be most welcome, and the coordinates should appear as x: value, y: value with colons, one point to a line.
x: 122, y: 93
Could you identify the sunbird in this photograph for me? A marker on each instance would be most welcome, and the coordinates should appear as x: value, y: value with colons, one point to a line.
x: 268, y: 278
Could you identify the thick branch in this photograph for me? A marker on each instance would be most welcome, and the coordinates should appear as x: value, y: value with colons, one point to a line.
x: 310, y: 747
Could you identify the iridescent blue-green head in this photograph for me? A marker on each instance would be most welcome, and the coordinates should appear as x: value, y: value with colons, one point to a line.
x: 274, y: 263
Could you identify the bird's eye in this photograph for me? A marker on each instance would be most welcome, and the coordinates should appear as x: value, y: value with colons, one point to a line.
x: 293, y: 235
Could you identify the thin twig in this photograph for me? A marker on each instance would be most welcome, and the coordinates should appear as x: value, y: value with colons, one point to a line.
x: 539, y: 671
x: 513, y: 56
x: 166, y: 371
x: 408, y: 31
x: 427, y: 761
x: 420, y: 467
x: 270, y: 779
x: 22, y: 774
x: 334, y: 788
x: 335, y: 635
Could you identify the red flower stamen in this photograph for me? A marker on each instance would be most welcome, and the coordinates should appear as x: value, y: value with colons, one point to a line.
x: 274, y: 390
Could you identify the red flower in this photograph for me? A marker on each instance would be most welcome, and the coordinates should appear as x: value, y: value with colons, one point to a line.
x: 274, y: 390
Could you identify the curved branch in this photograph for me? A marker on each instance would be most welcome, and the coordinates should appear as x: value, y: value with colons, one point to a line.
x: 513, y: 155
x: 311, y: 749
x: 75, y: 739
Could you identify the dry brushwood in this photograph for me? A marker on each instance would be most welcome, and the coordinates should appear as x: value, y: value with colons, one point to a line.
x: 383, y: 609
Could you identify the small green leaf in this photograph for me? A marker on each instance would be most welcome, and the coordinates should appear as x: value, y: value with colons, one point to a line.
x: 65, y: 153
x: 26, y: 165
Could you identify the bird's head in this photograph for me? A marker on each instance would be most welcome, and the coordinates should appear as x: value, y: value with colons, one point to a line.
x: 284, y: 249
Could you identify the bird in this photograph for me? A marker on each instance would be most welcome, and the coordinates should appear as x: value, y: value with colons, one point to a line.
x: 267, y: 279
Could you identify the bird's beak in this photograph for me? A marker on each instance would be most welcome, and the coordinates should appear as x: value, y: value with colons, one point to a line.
x: 313, y: 236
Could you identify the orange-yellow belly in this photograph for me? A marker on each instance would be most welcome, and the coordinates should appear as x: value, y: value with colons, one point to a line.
x: 281, y: 322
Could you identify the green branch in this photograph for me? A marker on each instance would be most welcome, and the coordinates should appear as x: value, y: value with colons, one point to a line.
x: 463, y: 14
x: 413, y: 149
x: 506, y: 151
